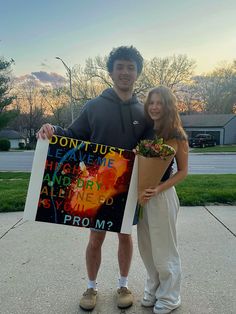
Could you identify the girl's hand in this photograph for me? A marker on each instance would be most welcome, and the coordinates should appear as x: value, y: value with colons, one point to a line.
x: 149, y: 193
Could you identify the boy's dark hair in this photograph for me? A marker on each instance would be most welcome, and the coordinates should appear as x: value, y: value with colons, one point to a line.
x: 125, y: 53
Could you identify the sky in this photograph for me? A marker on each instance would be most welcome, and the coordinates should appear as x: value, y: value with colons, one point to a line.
x: 34, y: 32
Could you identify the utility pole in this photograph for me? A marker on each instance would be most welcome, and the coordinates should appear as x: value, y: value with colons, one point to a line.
x: 70, y: 82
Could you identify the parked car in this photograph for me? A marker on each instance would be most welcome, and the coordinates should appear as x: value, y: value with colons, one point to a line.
x: 202, y: 140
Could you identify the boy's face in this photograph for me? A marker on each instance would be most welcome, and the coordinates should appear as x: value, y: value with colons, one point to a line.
x: 124, y: 75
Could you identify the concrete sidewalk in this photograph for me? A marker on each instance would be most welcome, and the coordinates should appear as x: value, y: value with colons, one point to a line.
x: 43, y: 268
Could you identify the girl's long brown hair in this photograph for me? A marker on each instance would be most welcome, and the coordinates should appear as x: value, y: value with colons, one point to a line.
x: 171, y: 125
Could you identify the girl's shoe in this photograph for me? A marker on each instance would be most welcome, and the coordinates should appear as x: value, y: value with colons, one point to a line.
x: 148, y: 300
x: 158, y: 309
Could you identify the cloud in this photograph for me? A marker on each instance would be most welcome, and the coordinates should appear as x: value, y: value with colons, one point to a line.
x: 42, y: 78
x: 53, y: 78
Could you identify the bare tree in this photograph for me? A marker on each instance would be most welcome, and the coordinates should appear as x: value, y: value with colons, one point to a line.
x: 31, y: 105
x: 58, y: 104
x: 86, y: 86
x: 188, y: 100
x: 169, y: 71
x: 218, y: 89
x: 96, y: 69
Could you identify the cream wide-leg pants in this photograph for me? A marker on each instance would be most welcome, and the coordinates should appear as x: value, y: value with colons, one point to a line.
x: 157, y: 244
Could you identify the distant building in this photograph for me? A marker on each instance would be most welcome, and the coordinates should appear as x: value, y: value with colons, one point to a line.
x: 222, y: 126
x: 14, y: 137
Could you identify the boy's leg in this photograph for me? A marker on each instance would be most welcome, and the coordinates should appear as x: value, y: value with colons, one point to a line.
x: 93, y: 262
x: 125, y: 252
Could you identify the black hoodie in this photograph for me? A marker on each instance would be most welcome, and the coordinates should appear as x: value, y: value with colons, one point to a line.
x: 108, y: 120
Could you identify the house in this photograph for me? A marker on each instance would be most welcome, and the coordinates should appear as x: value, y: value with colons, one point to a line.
x: 221, y: 126
x: 15, y: 138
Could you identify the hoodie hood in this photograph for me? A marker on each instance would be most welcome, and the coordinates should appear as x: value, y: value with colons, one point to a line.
x: 108, y: 120
x: 111, y: 95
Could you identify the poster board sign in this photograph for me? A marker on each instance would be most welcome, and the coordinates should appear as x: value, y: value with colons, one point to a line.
x: 83, y: 184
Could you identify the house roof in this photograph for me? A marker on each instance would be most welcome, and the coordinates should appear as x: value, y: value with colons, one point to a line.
x: 206, y: 120
x: 10, y: 134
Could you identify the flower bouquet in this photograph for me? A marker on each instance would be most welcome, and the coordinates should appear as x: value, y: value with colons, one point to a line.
x: 154, y: 157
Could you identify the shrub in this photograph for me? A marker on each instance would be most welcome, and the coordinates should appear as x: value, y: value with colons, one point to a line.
x: 21, y: 145
x: 30, y: 146
x: 5, y: 144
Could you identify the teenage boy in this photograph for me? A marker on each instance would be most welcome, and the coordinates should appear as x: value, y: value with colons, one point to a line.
x: 114, y: 118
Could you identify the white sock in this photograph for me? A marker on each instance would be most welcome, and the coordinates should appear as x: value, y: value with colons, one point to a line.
x: 123, y: 282
x: 92, y: 284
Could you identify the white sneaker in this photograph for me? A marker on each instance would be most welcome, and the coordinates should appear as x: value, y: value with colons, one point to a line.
x: 161, y: 310
x: 158, y: 309
x: 148, y: 300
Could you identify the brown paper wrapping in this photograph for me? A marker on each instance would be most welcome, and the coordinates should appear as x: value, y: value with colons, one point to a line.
x: 151, y: 170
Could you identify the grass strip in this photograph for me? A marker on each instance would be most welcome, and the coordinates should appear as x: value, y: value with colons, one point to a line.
x: 215, y: 149
x: 13, y: 190
x: 199, y: 189
x: 195, y: 190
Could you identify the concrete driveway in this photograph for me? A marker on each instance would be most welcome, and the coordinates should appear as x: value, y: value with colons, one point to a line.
x: 43, y: 268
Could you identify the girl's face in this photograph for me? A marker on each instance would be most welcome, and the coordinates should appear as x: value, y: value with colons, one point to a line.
x: 155, y: 107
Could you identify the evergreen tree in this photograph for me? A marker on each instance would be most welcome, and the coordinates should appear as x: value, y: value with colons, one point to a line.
x: 5, y: 99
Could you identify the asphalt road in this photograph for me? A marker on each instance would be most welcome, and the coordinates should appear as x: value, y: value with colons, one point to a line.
x: 198, y: 163
x: 212, y: 163
x: 16, y: 161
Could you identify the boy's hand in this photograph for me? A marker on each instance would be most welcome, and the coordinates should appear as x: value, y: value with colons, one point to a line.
x: 46, y: 132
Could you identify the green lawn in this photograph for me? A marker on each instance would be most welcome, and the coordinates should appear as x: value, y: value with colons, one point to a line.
x: 215, y: 149
x: 13, y: 190
x: 205, y: 189
x: 195, y: 190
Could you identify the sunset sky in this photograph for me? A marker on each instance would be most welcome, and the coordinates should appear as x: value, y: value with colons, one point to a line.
x: 33, y: 33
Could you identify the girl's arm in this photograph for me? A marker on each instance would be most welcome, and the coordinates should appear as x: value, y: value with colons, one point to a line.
x: 181, y: 158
